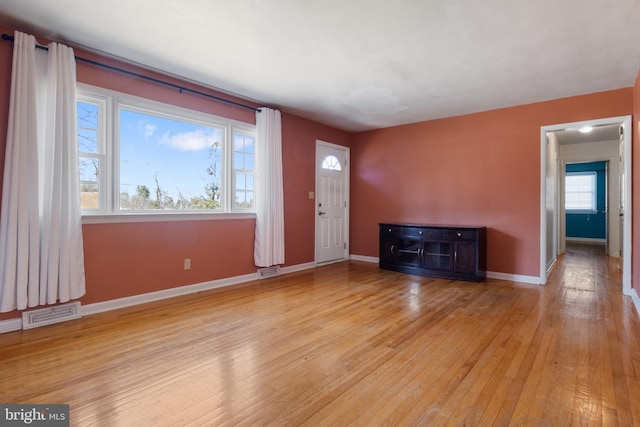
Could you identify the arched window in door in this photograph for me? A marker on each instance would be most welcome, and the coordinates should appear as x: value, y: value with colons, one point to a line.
x: 331, y: 163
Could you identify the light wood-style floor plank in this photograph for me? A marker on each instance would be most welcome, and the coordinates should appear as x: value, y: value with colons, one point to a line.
x: 348, y: 344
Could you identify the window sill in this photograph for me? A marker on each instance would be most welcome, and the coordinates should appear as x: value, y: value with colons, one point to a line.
x: 164, y: 217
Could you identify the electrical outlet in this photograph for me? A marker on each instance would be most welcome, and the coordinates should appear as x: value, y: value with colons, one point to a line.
x: 187, y: 263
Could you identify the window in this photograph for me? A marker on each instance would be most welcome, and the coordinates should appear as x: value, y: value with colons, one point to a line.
x: 580, y: 192
x: 141, y: 156
x: 91, y: 150
x: 331, y: 162
x: 243, y: 170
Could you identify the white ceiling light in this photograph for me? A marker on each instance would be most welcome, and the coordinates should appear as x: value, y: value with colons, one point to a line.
x: 585, y: 129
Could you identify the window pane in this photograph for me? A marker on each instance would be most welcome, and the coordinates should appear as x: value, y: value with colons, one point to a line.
x: 89, y: 189
x: 243, y: 163
x: 248, y: 161
x: 238, y: 160
x: 87, y: 115
x: 244, y: 199
x: 331, y: 163
x: 580, y: 191
x: 243, y: 143
x: 168, y: 163
x: 240, y: 198
x: 240, y: 181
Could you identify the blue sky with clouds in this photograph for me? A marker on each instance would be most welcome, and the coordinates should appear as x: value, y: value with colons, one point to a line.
x: 177, y: 152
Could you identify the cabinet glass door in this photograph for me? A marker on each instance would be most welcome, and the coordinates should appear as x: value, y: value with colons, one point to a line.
x: 408, y: 252
x: 437, y: 255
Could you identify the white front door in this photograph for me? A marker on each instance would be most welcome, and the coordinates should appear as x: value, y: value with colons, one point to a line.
x: 332, y: 196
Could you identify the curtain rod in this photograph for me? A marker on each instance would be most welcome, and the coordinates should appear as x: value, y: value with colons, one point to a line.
x: 142, y: 76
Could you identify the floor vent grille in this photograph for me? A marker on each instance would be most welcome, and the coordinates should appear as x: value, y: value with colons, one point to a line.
x: 47, y: 316
x: 264, y: 273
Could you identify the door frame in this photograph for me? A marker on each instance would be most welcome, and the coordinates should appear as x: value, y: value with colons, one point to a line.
x: 347, y: 154
x: 625, y: 121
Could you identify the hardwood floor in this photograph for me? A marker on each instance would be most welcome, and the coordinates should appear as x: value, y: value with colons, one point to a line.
x: 348, y: 344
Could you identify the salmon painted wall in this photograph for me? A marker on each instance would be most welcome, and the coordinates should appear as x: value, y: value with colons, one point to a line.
x: 125, y: 259
x: 635, y: 188
x: 477, y: 169
x: 299, y: 172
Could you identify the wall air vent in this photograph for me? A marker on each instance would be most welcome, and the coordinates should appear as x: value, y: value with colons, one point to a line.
x: 47, y: 316
x: 264, y: 273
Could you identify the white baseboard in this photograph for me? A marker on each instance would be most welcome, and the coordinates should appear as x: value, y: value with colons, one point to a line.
x: 364, y: 258
x: 636, y: 300
x: 16, y: 324
x: 10, y: 325
x: 586, y: 240
x: 532, y: 280
x: 114, y: 304
x: 99, y: 307
x: 181, y: 290
x: 298, y: 267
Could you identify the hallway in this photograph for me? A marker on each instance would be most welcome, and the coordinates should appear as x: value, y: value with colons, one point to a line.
x: 594, y: 350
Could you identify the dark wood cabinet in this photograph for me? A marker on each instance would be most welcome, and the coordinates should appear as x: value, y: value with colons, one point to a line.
x: 450, y: 252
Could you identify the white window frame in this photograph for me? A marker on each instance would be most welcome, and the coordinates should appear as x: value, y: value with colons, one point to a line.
x: 246, y: 131
x: 103, y: 147
x: 109, y: 103
x: 594, y: 193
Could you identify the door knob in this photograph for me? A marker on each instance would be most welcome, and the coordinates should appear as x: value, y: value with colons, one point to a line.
x: 321, y: 213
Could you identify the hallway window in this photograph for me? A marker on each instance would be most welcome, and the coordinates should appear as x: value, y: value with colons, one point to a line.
x: 580, y: 192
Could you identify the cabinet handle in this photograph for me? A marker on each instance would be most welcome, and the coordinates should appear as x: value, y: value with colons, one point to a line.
x: 459, y: 234
x: 392, y: 246
x: 455, y: 256
x: 421, y: 233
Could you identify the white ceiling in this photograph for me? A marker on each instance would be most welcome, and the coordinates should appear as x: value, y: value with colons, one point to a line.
x: 607, y: 133
x: 361, y: 64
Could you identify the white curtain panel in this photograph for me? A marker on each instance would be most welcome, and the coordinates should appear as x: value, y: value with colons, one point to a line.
x: 269, y: 241
x: 41, y: 253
